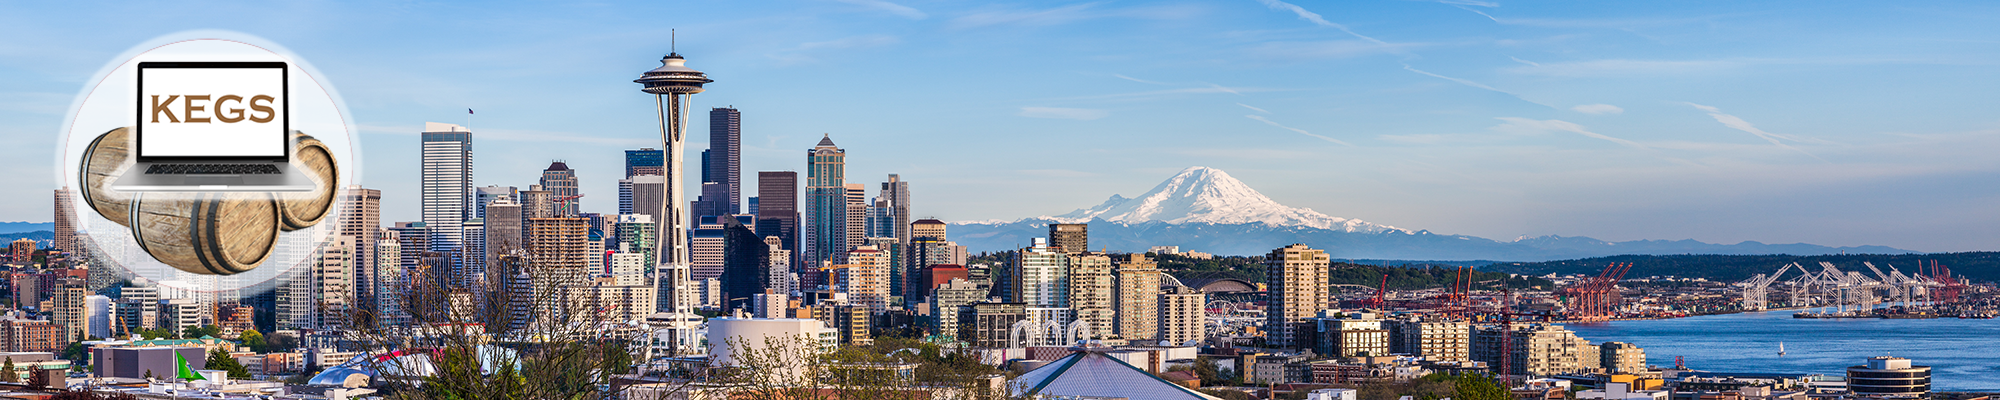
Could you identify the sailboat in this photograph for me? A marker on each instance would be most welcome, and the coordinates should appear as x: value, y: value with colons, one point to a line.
x: 1781, y: 348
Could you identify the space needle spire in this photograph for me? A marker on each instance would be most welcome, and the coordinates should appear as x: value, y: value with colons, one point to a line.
x: 672, y: 85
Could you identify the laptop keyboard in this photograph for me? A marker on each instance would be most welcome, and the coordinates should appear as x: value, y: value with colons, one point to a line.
x: 212, y: 169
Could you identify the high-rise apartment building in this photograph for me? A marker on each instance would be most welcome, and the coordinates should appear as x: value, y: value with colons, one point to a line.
x: 1182, y: 317
x: 1138, y: 296
x: 1538, y: 349
x: 645, y: 161
x: 1093, y: 293
x: 778, y: 268
x: 504, y: 232
x: 72, y: 311
x: 1298, y: 290
x: 825, y: 227
x: 725, y: 165
x: 561, y: 183
x: 446, y: 184
x: 1069, y: 238
x: 65, y: 221
x: 865, y: 277
x: 635, y: 235
x: 1039, y: 276
x: 892, y: 253
x: 1434, y: 340
x: 1622, y: 358
x: 537, y: 202
x: 389, y: 279
x: 359, y: 218
x: 896, y: 194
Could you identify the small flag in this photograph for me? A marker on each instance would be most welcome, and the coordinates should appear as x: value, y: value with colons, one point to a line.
x: 184, y: 372
x: 468, y: 111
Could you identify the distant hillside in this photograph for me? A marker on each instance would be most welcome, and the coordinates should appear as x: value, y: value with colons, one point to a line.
x: 24, y: 226
x: 40, y: 236
x: 1977, y: 266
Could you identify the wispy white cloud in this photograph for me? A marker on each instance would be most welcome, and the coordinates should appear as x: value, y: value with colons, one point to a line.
x: 1733, y: 122
x: 1253, y: 108
x: 1531, y: 126
x: 1623, y: 67
x: 1081, y: 114
x: 1598, y: 109
x: 1519, y: 60
x: 1300, y: 131
x: 1316, y: 19
x: 800, y: 54
x: 1213, y: 89
x: 1326, y: 49
x: 1469, y: 3
x: 1122, y: 76
x: 1068, y: 14
x: 1477, y: 85
x: 893, y: 8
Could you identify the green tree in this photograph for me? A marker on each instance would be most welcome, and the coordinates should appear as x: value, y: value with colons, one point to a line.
x: 220, y: 360
x: 1478, y: 387
x: 254, y: 340
x: 196, y: 332
x: 7, y: 372
x: 75, y: 352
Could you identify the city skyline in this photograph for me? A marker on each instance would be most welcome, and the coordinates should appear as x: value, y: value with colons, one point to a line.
x: 1773, y: 123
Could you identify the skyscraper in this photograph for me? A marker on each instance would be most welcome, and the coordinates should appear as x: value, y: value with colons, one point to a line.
x: 649, y: 195
x: 725, y: 166
x: 826, y: 209
x: 778, y: 206
x: 484, y: 195
x: 1039, y: 276
x: 65, y: 230
x: 359, y: 218
x: 1297, y: 281
x: 896, y: 192
x: 560, y: 181
x: 1069, y: 238
x: 857, y: 217
x: 865, y: 277
x: 645, y: 161
x: 446, y: 183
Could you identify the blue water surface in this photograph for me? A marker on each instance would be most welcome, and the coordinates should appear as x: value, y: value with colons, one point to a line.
x: 1964, y: 354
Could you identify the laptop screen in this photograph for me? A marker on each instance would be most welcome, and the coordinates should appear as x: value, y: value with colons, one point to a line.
x: 212, y: 110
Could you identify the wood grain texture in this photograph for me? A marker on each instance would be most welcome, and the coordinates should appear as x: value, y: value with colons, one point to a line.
x: 206, y: 233
x: 303, y: 210
x: 107, y: 157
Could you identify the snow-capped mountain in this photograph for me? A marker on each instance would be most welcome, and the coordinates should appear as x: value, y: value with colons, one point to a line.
x: 1208, y: 195
x: 1204, y: 209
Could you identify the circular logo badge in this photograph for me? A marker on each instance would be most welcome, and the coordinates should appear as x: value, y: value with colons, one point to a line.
x: 202, y: 99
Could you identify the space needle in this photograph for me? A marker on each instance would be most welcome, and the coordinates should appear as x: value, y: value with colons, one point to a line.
x: 673, y: 84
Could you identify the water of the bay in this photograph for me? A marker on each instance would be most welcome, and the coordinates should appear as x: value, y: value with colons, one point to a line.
x: 1964, y: 354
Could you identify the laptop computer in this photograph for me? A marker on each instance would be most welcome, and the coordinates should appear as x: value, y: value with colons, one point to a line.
x: 213, y: 126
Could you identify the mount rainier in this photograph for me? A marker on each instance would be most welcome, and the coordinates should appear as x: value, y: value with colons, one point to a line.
x: 1204, y: 209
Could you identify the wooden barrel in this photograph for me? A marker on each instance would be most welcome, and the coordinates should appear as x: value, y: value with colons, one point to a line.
x: 206, y: 233
x: 107, y: 157
x: 303, y: 210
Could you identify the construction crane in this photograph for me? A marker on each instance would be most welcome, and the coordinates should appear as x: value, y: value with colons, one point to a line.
x: 564, y: 203
x: 1594, y: 298
x: 1756, y: 295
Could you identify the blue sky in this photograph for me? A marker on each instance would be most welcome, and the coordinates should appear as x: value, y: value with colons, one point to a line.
x: 1835, y: 123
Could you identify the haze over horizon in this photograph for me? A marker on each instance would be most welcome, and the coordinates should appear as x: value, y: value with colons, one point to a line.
x: 1838, y: 124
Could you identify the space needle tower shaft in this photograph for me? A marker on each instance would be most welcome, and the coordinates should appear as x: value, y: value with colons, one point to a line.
x: 672, y: 85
